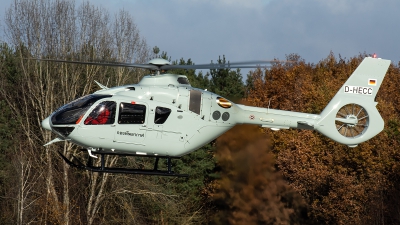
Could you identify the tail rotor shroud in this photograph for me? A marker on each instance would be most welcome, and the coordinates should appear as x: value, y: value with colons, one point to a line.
x: 352, y: 120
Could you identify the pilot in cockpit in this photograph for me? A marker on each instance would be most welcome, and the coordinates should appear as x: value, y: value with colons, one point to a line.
x: 102, y: 114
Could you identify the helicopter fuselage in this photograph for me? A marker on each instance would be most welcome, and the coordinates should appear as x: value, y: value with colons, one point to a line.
x: 147, y: 118
x: 160, y: 116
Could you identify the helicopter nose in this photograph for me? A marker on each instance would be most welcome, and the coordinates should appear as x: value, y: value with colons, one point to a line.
x: 46, y: 124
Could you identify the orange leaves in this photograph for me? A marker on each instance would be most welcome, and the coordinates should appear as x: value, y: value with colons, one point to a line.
x: 284, y: 86
x: 341, y: 185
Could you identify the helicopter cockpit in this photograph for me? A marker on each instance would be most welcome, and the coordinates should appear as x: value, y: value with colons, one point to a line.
x: 73, y: 112
x: 64, y: 119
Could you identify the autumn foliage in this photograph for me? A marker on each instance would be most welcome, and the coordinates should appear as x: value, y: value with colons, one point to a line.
x: 341, y: 185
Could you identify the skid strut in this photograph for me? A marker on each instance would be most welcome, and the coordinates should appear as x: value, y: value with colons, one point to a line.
x: 103, y: 169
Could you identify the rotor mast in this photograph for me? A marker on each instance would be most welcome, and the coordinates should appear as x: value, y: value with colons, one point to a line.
x: 158, y: 62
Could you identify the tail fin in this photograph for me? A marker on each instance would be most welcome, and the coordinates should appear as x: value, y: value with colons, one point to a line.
x: 351, y: 116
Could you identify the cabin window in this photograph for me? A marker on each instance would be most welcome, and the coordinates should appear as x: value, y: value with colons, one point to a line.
x: 161, y: 115
x: 131, y: 113
x: 103, y: 113
x: 195, y: 101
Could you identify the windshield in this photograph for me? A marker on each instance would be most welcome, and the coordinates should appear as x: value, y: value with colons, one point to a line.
x: 73, y: 112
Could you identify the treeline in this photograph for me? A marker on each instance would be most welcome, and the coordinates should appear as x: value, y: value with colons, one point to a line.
x: 263, y: 177
x: 36, y: 185
x: 340, y: 185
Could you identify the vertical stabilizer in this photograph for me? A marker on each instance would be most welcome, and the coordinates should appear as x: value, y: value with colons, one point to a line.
x: 351, y: 116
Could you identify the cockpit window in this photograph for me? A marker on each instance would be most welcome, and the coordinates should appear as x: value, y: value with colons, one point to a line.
x: 131, y: 113
x: 73, y: 112
x: 161, y: 115
x: 104, y: 113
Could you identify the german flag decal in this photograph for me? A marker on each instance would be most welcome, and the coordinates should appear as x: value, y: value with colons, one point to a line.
x: 372, y: 82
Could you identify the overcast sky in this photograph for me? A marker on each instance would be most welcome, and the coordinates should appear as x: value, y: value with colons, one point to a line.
x: 263, y: 29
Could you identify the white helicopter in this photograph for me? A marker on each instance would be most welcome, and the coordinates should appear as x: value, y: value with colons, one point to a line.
x: 163, y: 116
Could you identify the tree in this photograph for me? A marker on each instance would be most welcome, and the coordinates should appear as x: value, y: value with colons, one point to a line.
x: 341, y: 185
x: 226, y: 82
x: 40, y: 28
x: 250, y: 190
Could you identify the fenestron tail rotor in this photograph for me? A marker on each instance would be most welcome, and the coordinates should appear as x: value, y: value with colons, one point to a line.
x: 352, y: 120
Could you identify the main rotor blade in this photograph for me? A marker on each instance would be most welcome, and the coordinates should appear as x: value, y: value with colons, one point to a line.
x: 244, y: 64
x: 115, y: 64
x: 209, y: 66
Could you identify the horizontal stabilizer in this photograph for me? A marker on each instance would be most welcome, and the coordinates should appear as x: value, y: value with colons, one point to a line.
x: 275, y: 127
x: 305, y: 123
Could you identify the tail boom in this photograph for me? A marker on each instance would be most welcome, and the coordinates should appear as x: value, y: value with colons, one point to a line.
x: 276, y: 119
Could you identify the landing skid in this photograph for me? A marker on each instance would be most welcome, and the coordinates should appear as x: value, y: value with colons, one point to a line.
x: 102, y: 169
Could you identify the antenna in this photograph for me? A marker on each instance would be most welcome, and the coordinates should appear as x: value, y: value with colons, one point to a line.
x: 269, y: 103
